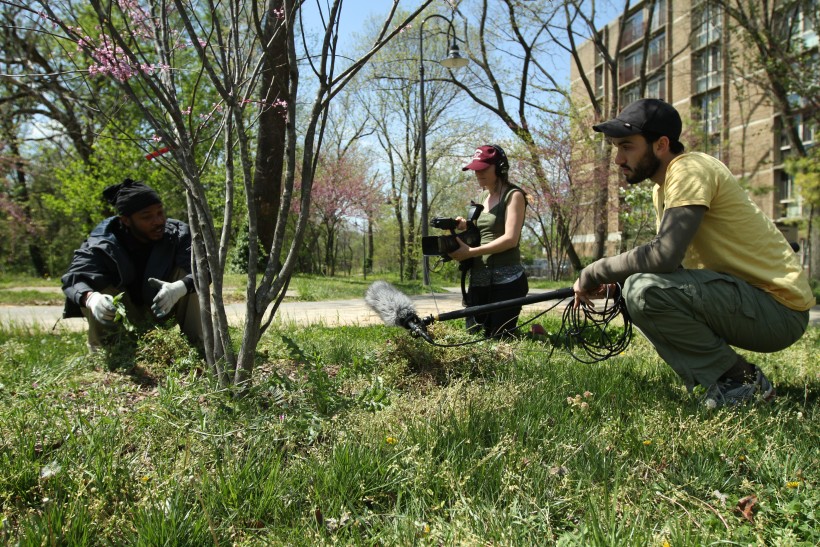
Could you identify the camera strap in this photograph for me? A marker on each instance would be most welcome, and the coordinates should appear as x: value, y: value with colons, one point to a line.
x: 465, y: 266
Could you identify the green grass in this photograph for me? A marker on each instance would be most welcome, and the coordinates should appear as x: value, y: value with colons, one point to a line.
x: 31, y: 297
x: 363, y: 435
x: 306, y: 288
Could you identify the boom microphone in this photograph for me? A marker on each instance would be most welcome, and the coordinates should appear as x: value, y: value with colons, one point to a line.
x: 395, y: 308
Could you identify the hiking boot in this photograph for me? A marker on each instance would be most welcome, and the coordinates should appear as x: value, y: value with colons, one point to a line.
x: 730, y: 392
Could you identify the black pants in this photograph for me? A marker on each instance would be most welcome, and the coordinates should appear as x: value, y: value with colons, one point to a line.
x: 501, y: 322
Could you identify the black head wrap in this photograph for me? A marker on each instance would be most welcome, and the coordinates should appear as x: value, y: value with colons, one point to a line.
x: 130, y: 196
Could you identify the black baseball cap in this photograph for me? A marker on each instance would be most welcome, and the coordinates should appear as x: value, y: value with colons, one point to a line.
x: 644, y: 115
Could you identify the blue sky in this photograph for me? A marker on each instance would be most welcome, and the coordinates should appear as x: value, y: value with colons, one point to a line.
x: 356, y: 12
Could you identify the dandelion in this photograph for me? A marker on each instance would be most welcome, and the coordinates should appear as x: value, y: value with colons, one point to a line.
x: 721, y: 497
x: 391, y: 440
x: 145, y: 478
x: 647, y: 442
x: 50, y: 470
x: 741, y: 458
x: 793, y: 484
x: 666, y: 543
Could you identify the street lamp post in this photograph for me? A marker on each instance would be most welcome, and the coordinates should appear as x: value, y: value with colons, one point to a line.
x: 453, y: 60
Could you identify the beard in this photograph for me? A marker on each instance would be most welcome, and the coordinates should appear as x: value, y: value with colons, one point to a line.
x: 146, y: 236
x: 646, y: 167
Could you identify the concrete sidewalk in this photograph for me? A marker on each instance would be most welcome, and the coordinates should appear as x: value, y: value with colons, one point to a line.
x: 329, y: 312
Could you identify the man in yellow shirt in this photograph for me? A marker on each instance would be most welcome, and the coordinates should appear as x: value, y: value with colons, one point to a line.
x: 718, y: 274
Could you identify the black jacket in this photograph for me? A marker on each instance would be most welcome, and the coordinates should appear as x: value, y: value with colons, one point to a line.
x: 102, y: 261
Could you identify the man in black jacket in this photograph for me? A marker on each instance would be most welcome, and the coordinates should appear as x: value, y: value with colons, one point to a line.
x: 140, y: 253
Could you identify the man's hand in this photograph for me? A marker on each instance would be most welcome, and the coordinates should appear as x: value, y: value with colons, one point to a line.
x: 102, y: 307
x: 585, y: 297
x: 168, y: 295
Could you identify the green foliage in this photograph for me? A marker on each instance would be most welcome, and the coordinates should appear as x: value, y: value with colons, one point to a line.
x: 120, y: 313
x: 815, y: 288
x: 806, y: 173
x: 28, y: 297
x: 239, y: 254
x: 636, y: 215
x: 78, y: 195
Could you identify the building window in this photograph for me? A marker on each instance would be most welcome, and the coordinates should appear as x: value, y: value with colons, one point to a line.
x: 633, y: 28
x: 707, y: 68
x: 791, y: 202
x: 630, y: 67
x: 658, y: 15
x: 599, y: 81
x: 657, y: 52
x: 630, y: 94
x: 710, y: 111
x: 806, y: 132
x: 804, y: 24
x: 656, y: 87
x: 714, y: 146
x: 706, y: 25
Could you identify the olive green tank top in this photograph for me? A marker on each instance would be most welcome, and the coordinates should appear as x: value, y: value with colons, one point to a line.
x: 491, y: 226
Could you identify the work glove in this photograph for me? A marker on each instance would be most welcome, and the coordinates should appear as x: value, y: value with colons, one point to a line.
x: 168, y: 295
x: 102, y: 307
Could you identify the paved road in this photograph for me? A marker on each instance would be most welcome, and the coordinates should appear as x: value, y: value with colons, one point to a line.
x: 331, y: 312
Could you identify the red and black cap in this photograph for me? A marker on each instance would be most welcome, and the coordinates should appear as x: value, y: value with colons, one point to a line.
x: 484, y: 157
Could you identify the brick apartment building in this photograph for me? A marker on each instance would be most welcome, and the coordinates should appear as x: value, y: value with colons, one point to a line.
x: 695, y: 61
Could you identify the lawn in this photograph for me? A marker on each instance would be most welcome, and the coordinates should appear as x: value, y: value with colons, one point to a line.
x: 364, y: 435
x: 33, y: 291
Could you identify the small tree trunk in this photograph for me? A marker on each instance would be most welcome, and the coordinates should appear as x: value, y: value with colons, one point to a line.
x: 814, y: 243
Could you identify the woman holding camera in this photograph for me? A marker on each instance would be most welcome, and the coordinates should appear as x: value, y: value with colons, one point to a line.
x: 497, y: 273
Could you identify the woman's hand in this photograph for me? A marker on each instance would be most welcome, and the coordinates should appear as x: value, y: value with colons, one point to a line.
x: 463, y: 252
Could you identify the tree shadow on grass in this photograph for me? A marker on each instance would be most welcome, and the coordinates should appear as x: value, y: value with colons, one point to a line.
x: 121, y: 357
x: 806, y: 395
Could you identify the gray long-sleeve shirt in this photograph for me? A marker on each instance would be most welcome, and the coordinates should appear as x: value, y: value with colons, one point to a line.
x: 663, y: 254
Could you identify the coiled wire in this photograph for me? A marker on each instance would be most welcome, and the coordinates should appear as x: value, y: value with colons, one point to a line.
x: 589, y: 334
x: 594, y: 332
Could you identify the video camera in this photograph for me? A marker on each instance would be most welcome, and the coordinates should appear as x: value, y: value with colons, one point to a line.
x: 443, y: 245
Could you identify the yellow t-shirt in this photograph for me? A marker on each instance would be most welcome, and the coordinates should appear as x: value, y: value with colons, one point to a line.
x: 735, y: 236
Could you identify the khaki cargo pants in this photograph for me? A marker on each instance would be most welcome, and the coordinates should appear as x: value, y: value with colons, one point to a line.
x: 186, y: 312
x: 693, y: 317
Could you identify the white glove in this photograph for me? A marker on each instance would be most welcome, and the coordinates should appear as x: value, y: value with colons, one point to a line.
x: 102, y: 307
x: 168, y: 295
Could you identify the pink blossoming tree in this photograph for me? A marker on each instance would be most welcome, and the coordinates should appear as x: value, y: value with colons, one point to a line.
x: 341, y: 192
